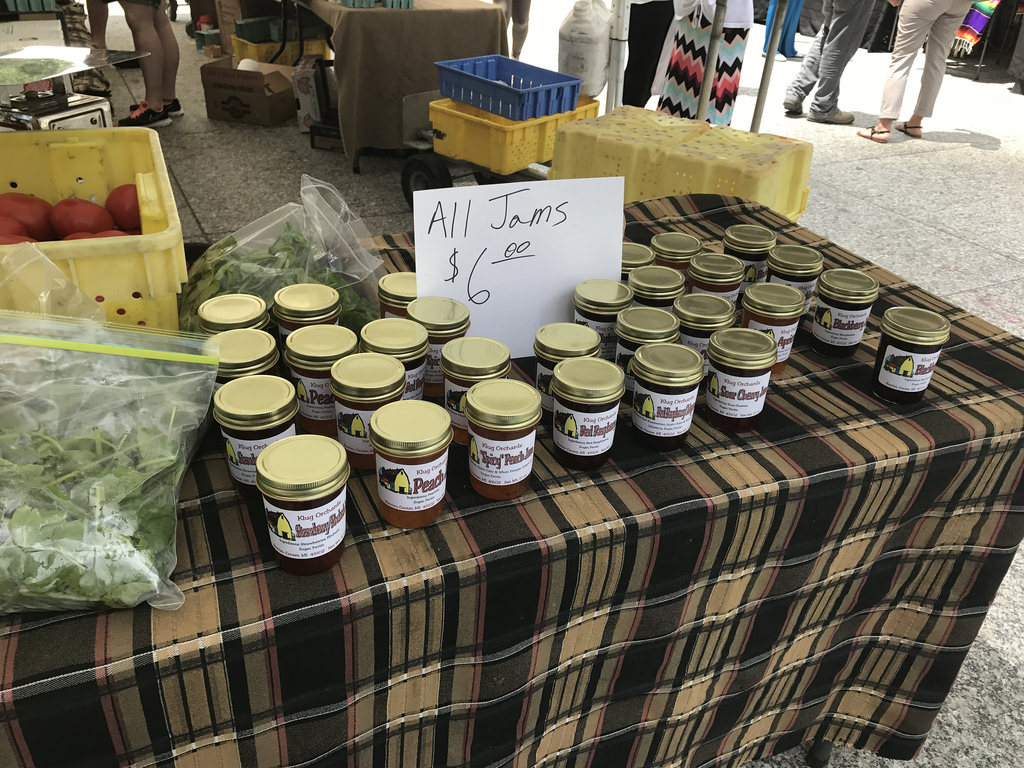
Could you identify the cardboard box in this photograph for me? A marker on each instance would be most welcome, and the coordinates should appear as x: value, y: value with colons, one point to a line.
x: 262, y: 97
x: 229, y: 11
x: 213, y: 51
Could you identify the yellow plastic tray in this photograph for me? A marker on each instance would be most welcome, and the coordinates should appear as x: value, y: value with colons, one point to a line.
x: 504, y: 146
x: 243, y: 49
x: 136, y: 278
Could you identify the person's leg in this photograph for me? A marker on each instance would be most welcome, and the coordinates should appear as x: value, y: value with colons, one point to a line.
x: 726, y: 85
x: 939, y: 40
x: 649, y: 24
x: 849, y: 21
x: 807, y: 76
x: 520, y: 25
x: 769, y: 20
x: 169, y: 48
x: 142, y: 23
x: 680, y: 93
x: 789, y: 25
x: 98, y: 13
x: 915, y: 23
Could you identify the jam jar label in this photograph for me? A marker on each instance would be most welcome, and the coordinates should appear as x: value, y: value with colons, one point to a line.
x: 433, y: 373
x: 316, y: 401
x: 412, y: 487
x: 303, y: 534
x: 730, y: 295
x: 389, y: 313
x: 414, y: 382
x: 455, y: 403
x: 699, y: 343
x: 640, y: 301
x: 754, y: 271
x: 543, y: 382
x: 783, y: 335
x: 584, y: 434
x: 623, y: 355
x: 500, y: 462
x: 806, y: 287
x: 906, y: 371
x: 736, y: 397
x: 839, y: 327
x: 605, y: 330
x: 662, y: 415
x: 242, y: 453
x: 353, y: 428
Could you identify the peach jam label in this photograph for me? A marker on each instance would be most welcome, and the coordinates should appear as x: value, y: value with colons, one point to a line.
x: 806, y: 287
x: 500, y: 462
x: 433, y: 373
x: 783, y: 335
x: 242, y: 453
x: 622, y: 357
x: 605, y: 330
x: 316, y: 401
x: 306, y: 533
x: 906, y: 371
x: 699, y: 343
x: 754, y: 271
x: 840, y: 327
x: 412, y: 487
x: 543, y: 381
x: 661, y: 415
x: 353, y: 428
x: 730, y: 295
x: 455, y: 403
x: 584, y: 434
x: 736, y: 397
x: 414, y: 382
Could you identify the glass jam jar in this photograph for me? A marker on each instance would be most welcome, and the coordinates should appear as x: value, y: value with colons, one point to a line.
x: 716, y: 274
x: 556, y: 342
x: 464, y: 363
x: 362, y: 383
x: 304, y: 304
x: 394, y: 292
x: 411, y: 439
x: 445, y: 319
x: 403, y: 339
x: 637, y: 326
x: 597, y: 303
x: 700, y: 315
x: 244, y: 352
x: 675, y: 249
x: 750, y: 243
x: 232, y: 310
x: 310, y: 352
x: 666, y: 379
x: 586, y: 393
x: 740, y: 364
x: 655, y: 286
x: 303, y: 481
x: 845, y: 297
x: 503, y: 418
x: 908, y: 350
x: 775, y: 309
x: 635, y: 255
x: 797, y: 266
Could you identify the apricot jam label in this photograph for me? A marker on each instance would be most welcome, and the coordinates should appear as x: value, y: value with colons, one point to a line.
x: 730, y: 295
x: 543, y: 381
x: 242, y: 453
x: 316, y: 401
x: 584, y: 434
x: 414, y: 382
x: 455, y: 403
x: 661, y: 415
x: 605, y: 330
x: 906, y: 371
x: 433, y: 373
x: 500, y: 462
x: 699, y: 343
x: 839, y: 327
x: 736, y: 397
x: 806, y: 287
x: 412, y: 487
x: 306, y: 533
x: 353, y: 428
x: 783, y: 335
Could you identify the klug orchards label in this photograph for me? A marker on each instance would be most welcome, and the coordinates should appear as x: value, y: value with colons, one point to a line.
x: 316, y: 401
x: 754, y: 271
x: 242, y: 453
x: 412, y: 487
x: 584, y: 434
x: 806, y: 287
x: 783, y: 335
x: 840, y: 327
x: 662, y: 415
x: 730, y: 295
x: 353, y: 428
x: 414, y: 382
x: 906, y: 371
x: 455, y: 403
x: 699, y: 343
x: 500, y: 462
x: 543, y: 381
x: 433, y: 373
x: 605, y: 330
x: 307, y: 533
x: 736, y: 397
x: 623, y: 355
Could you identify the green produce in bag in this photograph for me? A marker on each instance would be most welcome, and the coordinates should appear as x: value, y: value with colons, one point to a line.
x: 97, y: 425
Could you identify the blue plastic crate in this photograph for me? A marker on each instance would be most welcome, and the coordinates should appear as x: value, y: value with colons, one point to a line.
x: 506, y: 87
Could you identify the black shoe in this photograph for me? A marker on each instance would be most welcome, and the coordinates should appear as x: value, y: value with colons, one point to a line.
x: 144, y: 117
x: 174, y: 108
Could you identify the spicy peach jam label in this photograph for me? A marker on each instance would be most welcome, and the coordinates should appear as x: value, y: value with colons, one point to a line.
x: 736, y: 397
x: 242, y: 453
x: 500, y: 462
x: 412, y: 487
x: 303, y: 534
x: 584, y: 434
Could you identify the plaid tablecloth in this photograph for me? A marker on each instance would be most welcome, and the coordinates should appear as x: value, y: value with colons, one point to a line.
x: 824, y: 576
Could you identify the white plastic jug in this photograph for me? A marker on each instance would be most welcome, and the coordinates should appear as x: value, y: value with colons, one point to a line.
x: 583, y: 45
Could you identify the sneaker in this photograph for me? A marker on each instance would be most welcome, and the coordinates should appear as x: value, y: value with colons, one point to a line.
x: 794, y: 106
x: 144, y: 117
x: 172, y: 107
x: 835, y: 117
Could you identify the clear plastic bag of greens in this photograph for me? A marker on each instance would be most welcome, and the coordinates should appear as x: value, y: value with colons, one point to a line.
x: 318, y: 240
x: 97, y: 425
x: 30, y: 282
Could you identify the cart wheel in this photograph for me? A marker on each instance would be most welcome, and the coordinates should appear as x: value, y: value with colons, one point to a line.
x: 190, y: 29
x: 424, y: 171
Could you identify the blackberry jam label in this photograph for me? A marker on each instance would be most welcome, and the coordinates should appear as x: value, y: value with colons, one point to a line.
x: 839, y: 327
x: 906, y: 371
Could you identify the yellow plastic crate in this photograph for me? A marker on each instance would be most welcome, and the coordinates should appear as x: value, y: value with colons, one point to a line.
x: 504, y: 146
x: 661, y: 155
x: 243, y: 49
x: 136, y: 278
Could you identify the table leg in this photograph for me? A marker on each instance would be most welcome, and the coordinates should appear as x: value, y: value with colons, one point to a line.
x: 284, y: 32
x: 819, y: 754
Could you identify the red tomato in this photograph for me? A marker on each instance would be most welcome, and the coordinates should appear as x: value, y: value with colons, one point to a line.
x: 31, y: 211
x: 79, y: 236
x: 9, y: 226
x: 74, y: 215
x: 123, y: 204
x: 12, y: 239
x: 110, y: 233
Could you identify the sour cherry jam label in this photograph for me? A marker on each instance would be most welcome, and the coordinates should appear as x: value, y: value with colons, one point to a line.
x: 736, y: 397
x: 582, y: 433
x: 837, y: 326
x: 906, y: 371
x: 307, y: 533
x: 662, y: 415
x: 412, y: 487
x: 501, y: 462
x: 242, y: 454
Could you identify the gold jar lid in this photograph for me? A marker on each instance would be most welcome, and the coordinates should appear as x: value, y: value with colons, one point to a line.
x: 676, y: 246
x: 635, y: 255
x: 244, y: 351
x: 847, y: 285
x: 716, y: 268
x: 776, y: 300
x: 396, y: 336
x: 588, y: 380
x: 306, y: 302
x: 749, y: 238
x: 795, y: 260
x: 557, y: 341
x: 670, y: 365
x: 367, y: 376
x: 743, y: 348
x: 232, y: 310
x: 503, y: 404
x: 656, y: 282
x: 915, y: 326
x: 397, y: 288
x: 475, y: 357
x: 410, y: 428
x: 704, y: 311
x: 440, y: 315
x: 317, y: 346
x: 302, y: 467
x: 646, y: 324
x: 606, y: 297
x: 255, y: 402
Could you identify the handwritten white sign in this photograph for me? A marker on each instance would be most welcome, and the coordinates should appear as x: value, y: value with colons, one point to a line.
x: 513, y: 253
